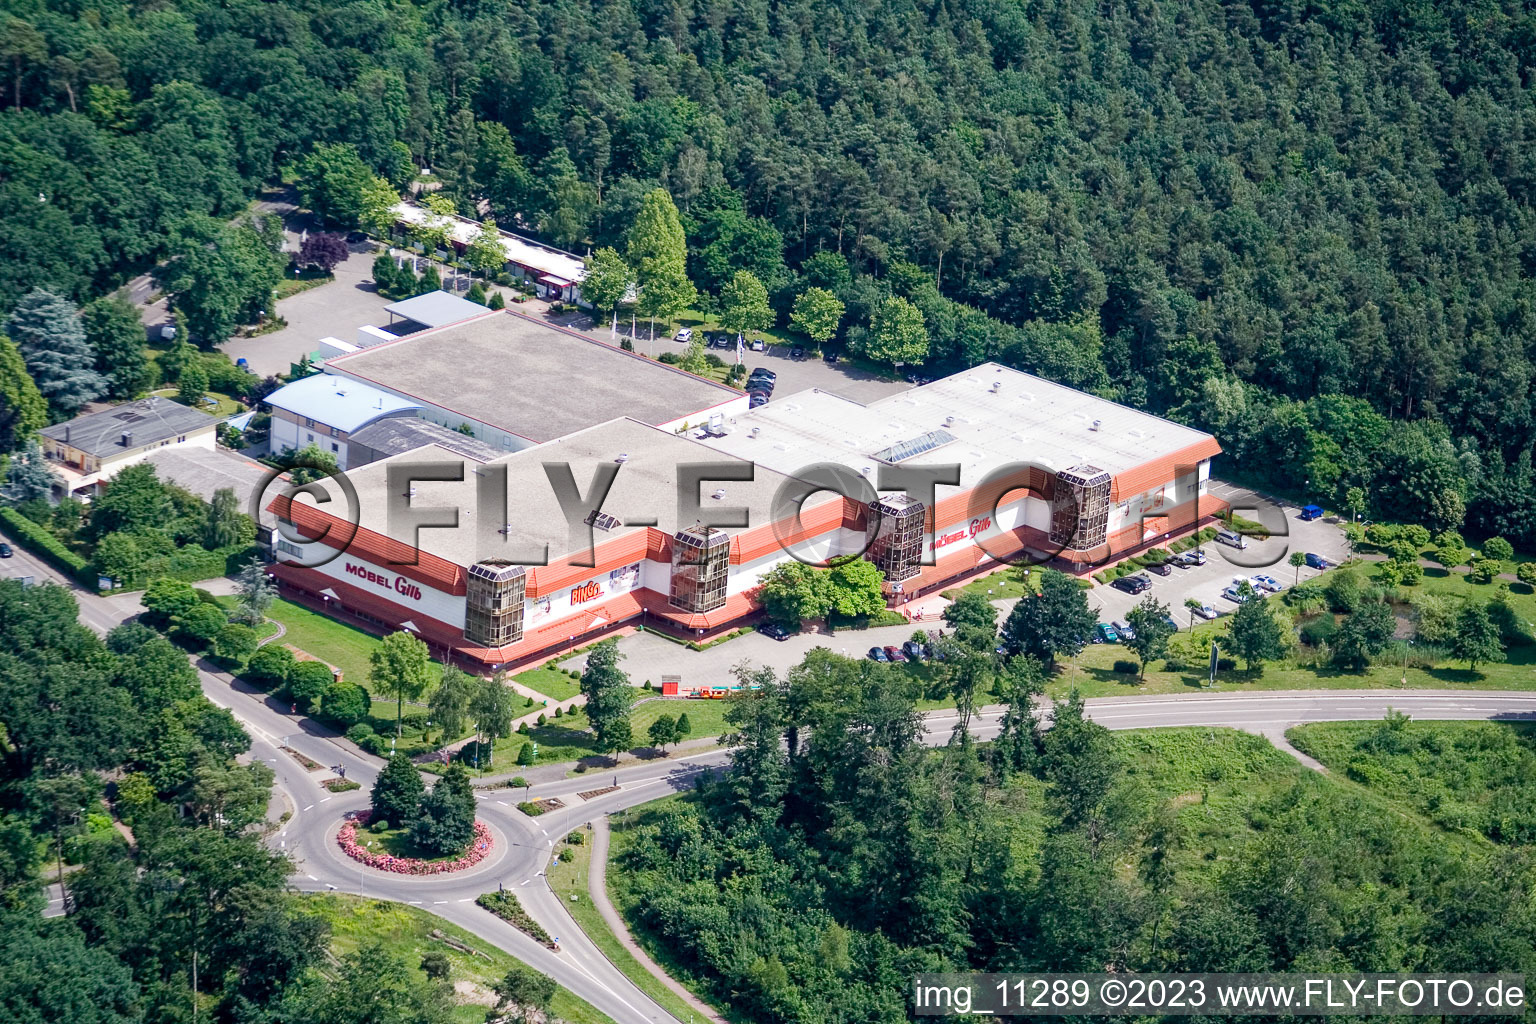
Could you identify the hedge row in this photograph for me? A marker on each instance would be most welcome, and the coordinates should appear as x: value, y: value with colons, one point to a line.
x: 42, y: 543
x: 192, y: 564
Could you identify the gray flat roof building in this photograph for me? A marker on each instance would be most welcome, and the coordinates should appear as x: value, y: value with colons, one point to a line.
x: 204, y: 471
x: 434, y: 309
x: 396, y: 436
x: 125, y: 427
x: 532, y: 379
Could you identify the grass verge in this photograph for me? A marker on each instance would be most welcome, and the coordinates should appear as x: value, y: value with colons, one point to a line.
x: 407, y: 931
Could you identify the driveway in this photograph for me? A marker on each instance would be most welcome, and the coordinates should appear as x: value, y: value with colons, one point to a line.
x: 334, y: 309
x: 1268, y: 557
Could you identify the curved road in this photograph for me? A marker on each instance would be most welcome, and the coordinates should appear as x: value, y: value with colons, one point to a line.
x: 525, y: 845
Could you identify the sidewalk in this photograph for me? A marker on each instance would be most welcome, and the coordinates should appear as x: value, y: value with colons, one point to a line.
x: 597, y: 888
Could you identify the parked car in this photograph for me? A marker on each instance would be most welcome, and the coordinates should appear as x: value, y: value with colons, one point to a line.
x: 829, y: 355
x: 1311, y: 512
x: 763, y: 384
x: 1190, y: 559
x: 1160, y: 568
x: 913, y: 650
x: 1236, y: 596
x: 686, y: 334
x: 1107, y: 634
x: 765, y: 374
x: 1132, y: 584
x: 797, y: 353
x: 5, y: 550
x: 775, y: 630
x: 1172, y: 622
x: 1124, y: 629
x: 893, y: 653
x: 758, y: 345
x: 1205, y: 611
x: 877, y: 654
x: 756, y: 398
x: 1232, y: 540
x: 1268, y: 583
x: 1318, y: 561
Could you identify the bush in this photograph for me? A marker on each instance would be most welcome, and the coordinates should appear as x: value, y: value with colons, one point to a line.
x: 360, y: 732
x: 1499, y: 548
x: 270, y: 666
x: 576, y: 838
x: 1126, y: 667
x: 1410, y: 574
x: 234, y: 643
x: 1485, y: 570
x: 201, y: 624
x: 435, y: 964
x: 309, y: 681
x: 529, y: 808
x: 1318, y: 631
x: 1526, y: 573
x: 345, y: 702
x: 567, y: 855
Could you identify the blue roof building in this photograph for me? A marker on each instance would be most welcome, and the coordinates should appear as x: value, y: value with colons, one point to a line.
x: 325, y: 410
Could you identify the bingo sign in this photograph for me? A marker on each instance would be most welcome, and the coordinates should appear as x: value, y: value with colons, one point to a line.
x: 975, y: 527
x: 588, y: 591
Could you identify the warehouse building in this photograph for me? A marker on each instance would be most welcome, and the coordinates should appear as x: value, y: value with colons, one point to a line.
x: 481, y: 559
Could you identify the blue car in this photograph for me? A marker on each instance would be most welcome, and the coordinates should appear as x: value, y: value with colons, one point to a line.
x: 877, y: 654
x: 1317, y: 561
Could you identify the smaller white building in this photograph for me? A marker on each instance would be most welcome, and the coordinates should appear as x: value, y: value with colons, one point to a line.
x: 326, y: 410
x: 90, y: 449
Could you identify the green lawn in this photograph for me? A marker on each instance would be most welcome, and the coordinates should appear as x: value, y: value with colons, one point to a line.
x: 223, y: 405
x: 552, y: 682
x: 994, y: 586
x: 396, y: 842
x: 569, y: 881
x: 568, y: 738
x: 335, y: 643
x: 407, y: 931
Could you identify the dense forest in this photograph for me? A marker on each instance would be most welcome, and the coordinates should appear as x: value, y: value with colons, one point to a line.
x: 1304, y: 226
x: 837, y: 856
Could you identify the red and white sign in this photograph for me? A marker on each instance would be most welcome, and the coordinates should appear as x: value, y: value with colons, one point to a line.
x: 976, y: 526
x: 589, y: 591
x: 399, y: 584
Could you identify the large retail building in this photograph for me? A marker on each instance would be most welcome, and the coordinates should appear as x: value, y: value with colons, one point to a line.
x: 507, y: 560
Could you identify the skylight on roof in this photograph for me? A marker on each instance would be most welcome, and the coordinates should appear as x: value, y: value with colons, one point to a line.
x: 602, y: 520
x: 912, y: 447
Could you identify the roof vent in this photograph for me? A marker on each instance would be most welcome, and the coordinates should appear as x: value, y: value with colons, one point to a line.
x: 718, y: 493
x: 411, y: 493
x: 949, y: 421
x: 1096, y: 424
x: 506, y: 529
x: 997, y: 386
x: 864, y: 470
x: 66, y: 433
x: 622, y: 457
x: 754, y: 431
x: 127, y: 438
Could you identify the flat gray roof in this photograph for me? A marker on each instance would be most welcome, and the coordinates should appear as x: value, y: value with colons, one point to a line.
x: 645, y: 489
x: 435, y: 309
x: 397, y: 435
x: 149, y: 420
x: 531, y: 378
x: 203, y: 471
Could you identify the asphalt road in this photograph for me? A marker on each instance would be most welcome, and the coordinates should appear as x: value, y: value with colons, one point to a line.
x: 524, y: 846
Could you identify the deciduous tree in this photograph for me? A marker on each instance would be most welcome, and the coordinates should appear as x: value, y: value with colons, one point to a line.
x: 818, y: 313
x: 402, y: 667
x: 608, y: 694
x: 1056, y: 623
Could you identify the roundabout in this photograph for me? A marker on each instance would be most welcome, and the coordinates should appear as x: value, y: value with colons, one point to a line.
x: 346, y: 838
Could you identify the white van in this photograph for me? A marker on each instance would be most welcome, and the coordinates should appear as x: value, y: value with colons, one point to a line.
x: 1235, y: 540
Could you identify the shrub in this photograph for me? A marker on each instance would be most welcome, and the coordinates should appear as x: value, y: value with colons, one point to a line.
x: 345, y: 702
x: 1485, y: 570
x: 435, y: 964
x: 1410, y: 574
x: 359, y: 732
x: 525, y: 755
x: 1526, y: 573
x: 517, y: 782
x: 576, y: 838
x: 309, y: 681
x: 529, y: 808
x: 40, y: 542
x: 1126, y: 667
x: 1499, y: 548
x: 234, y: 643
x: 1318, y: 631
x: 270, y: 666
x: 567, y: 855
x: 558, y: 711
x: 201, y: 624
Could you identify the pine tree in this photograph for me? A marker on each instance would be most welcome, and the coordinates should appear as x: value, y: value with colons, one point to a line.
x: 47, y: 331
x: 28, y: 477
x: 446, y: 824
x: 397, y: 792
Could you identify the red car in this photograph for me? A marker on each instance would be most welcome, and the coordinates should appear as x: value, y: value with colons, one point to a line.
x: 894, y: 653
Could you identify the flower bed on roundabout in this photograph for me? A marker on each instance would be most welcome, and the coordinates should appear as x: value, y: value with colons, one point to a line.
x: 347, y: 840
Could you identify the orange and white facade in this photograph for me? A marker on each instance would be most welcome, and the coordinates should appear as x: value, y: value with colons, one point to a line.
x: 505, y: 584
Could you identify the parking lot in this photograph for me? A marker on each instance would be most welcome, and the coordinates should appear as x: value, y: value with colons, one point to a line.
x: 794, y: 375
x: 1288, y: 532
